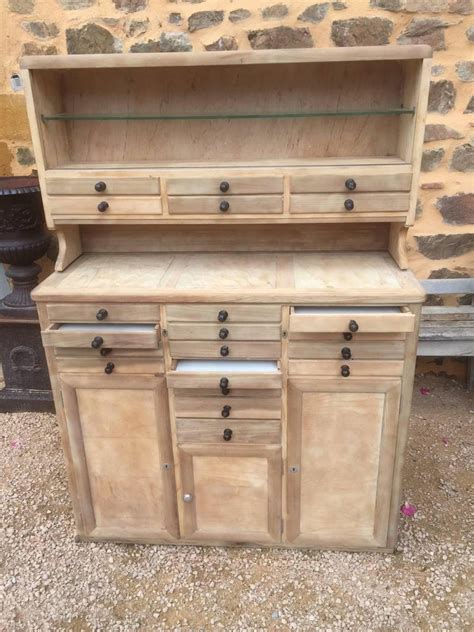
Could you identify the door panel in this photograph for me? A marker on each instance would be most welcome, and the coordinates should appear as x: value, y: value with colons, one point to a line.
x: 342, y: 439
x: 119, y: 434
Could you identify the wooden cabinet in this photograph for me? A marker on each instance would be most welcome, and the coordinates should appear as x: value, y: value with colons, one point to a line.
x: 341, y: 447
x: 118, y: 428
x: 231, y: 493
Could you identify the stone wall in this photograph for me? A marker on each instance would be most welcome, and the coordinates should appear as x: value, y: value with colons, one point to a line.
x: 442, y: 243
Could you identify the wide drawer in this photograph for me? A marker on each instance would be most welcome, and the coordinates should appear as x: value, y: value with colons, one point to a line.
x: 224, y: 313
x: 343, y: 180
x: 355, y: 349
x: 235, y: 431
x: 228, y: 408
x: 107, y: 312
x: 118, y: 207
x: 351, y: 320
x: 227, y: 186
x: 223, y: 349
x: 110, y: 365
x: 190, y: 331
x: 349, y: 203
x: 237, y: 205
x: 103, y: 184
x: 101, y: 336
x: 346, y: 369
x: 237, y: 374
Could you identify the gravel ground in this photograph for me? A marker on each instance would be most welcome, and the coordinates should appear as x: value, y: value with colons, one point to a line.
x: 50, y: 582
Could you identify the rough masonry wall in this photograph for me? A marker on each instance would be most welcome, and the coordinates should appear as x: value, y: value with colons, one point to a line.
x: 442, y: 242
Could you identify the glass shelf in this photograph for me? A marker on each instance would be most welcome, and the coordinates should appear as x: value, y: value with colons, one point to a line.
x: 209, y: 117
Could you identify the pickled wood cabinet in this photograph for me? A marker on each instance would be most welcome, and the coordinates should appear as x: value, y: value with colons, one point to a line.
x: 341, y: 450
x: 121, y: 449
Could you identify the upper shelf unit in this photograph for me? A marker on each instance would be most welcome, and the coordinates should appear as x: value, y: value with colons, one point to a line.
x: 218, y: 108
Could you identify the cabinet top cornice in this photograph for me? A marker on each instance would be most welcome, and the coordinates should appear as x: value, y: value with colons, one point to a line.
x: 224, y: 58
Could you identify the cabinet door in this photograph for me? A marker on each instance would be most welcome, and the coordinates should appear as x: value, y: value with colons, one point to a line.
x: 341, y: 448
x: 120, y: 444
x: 231, y: 493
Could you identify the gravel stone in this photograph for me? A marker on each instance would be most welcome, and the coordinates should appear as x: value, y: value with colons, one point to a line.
x: 314, y: 13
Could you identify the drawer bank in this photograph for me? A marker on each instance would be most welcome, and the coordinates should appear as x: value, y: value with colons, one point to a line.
x: 231, y: 327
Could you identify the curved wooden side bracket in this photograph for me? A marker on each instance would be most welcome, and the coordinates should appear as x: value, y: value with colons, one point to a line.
x: 397, y: 244
x: 70, y: 246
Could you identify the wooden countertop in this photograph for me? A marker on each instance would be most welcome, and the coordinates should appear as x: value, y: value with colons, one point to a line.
x: 306, y: 277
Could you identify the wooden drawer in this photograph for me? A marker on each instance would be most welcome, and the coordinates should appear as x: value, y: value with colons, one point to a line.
x: 341, y: 180
x: 199, y: 431
x: 229, y: 313
x: 109, y: 365
x: 121, y: 336
x: 357, y: 368
x: 358, y: 349
x: 112, y: 354
x: 118, y: 207
x: 237, y: 205
x: 224, y: 349
x: 228, y: 407
x: 225, y: 186
x: 240, y: 375
x: 223, y: 332
x: 116, y: 312
x: 114, y: 185
x: 362, y: 203
x: 378, y: 320
x: 233, y: 393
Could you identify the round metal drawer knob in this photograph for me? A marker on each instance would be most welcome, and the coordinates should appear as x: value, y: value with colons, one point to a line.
x: 102, y: 314
x: 100, y: 186
x: 225, y: 412
x: 224, y: 186
x: 346, y: 353
x: 102, y: 207
x: 353, y: 326
x: 227, y: 434
x: 345, y: 371
x: 224, y: 206
x: 97, y: 342
x: 224, y: 351
x: 349, y: 205
x: 222, y: 316
x: 347, y: 336
x: 188, y: 498
x: 351, y: 184
x: 109, y: 367
x: 223, y: 333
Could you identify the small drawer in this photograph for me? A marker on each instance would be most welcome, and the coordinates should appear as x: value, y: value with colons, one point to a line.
x: 102, y: 184
x: 106, y: 352
x: 224, y: 313
x: 225, y: 207
x: 225, y: 376
x: 350, y: 350
x: 106, y: 206
x: 346, y: 369
x: 224, y: 332
x: 103, y: 312
x: 228, y: 432
x: 349, y: 180
x: 101, y: 336
x: 228, y: 408
x: 351, y: 203
x: 229, y: 186
x: 351, y: 320
x: 224, y: 349
x: 110, y: 365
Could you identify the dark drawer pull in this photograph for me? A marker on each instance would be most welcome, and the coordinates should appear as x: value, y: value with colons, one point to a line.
x: 102, y: 207
x: 225, y: 412
x: 227, y: 435
x: 349, y: 205
x: 109, y: 367
x: 353, y: 326
x: 346, y: 353
x: 350, y: 184
x: 224, y: 186
x: 97, y: 342
x: 224, y: 385
x: 102, y: 314
x: 345, y: 371
x: 100, y: 187
x: 222, y: 316
x: 223, y: 333
x: 224, y: 206
x: 347, y: 336
x: 224, y: 351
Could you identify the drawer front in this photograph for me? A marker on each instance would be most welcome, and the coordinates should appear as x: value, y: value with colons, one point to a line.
x: 225, y: 186
x: 117, y: 207
x: 346, y: 369
x: 224, y: 313
x: 223, y: 349
x: 109, y: 366
x: 331, y: 181
x: 103, y: 184
x: 365, y: 323
x: 351, y: 203
x: 350, y: 350
x: 111, y: 354
x: 54, y: 337
x: 94, y: 312
x: 190, y: 331
x: 232, y: 393
x: 228, y: 407
x: 237, y: 431
x: 225, y: 207
x: 236, y: 381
